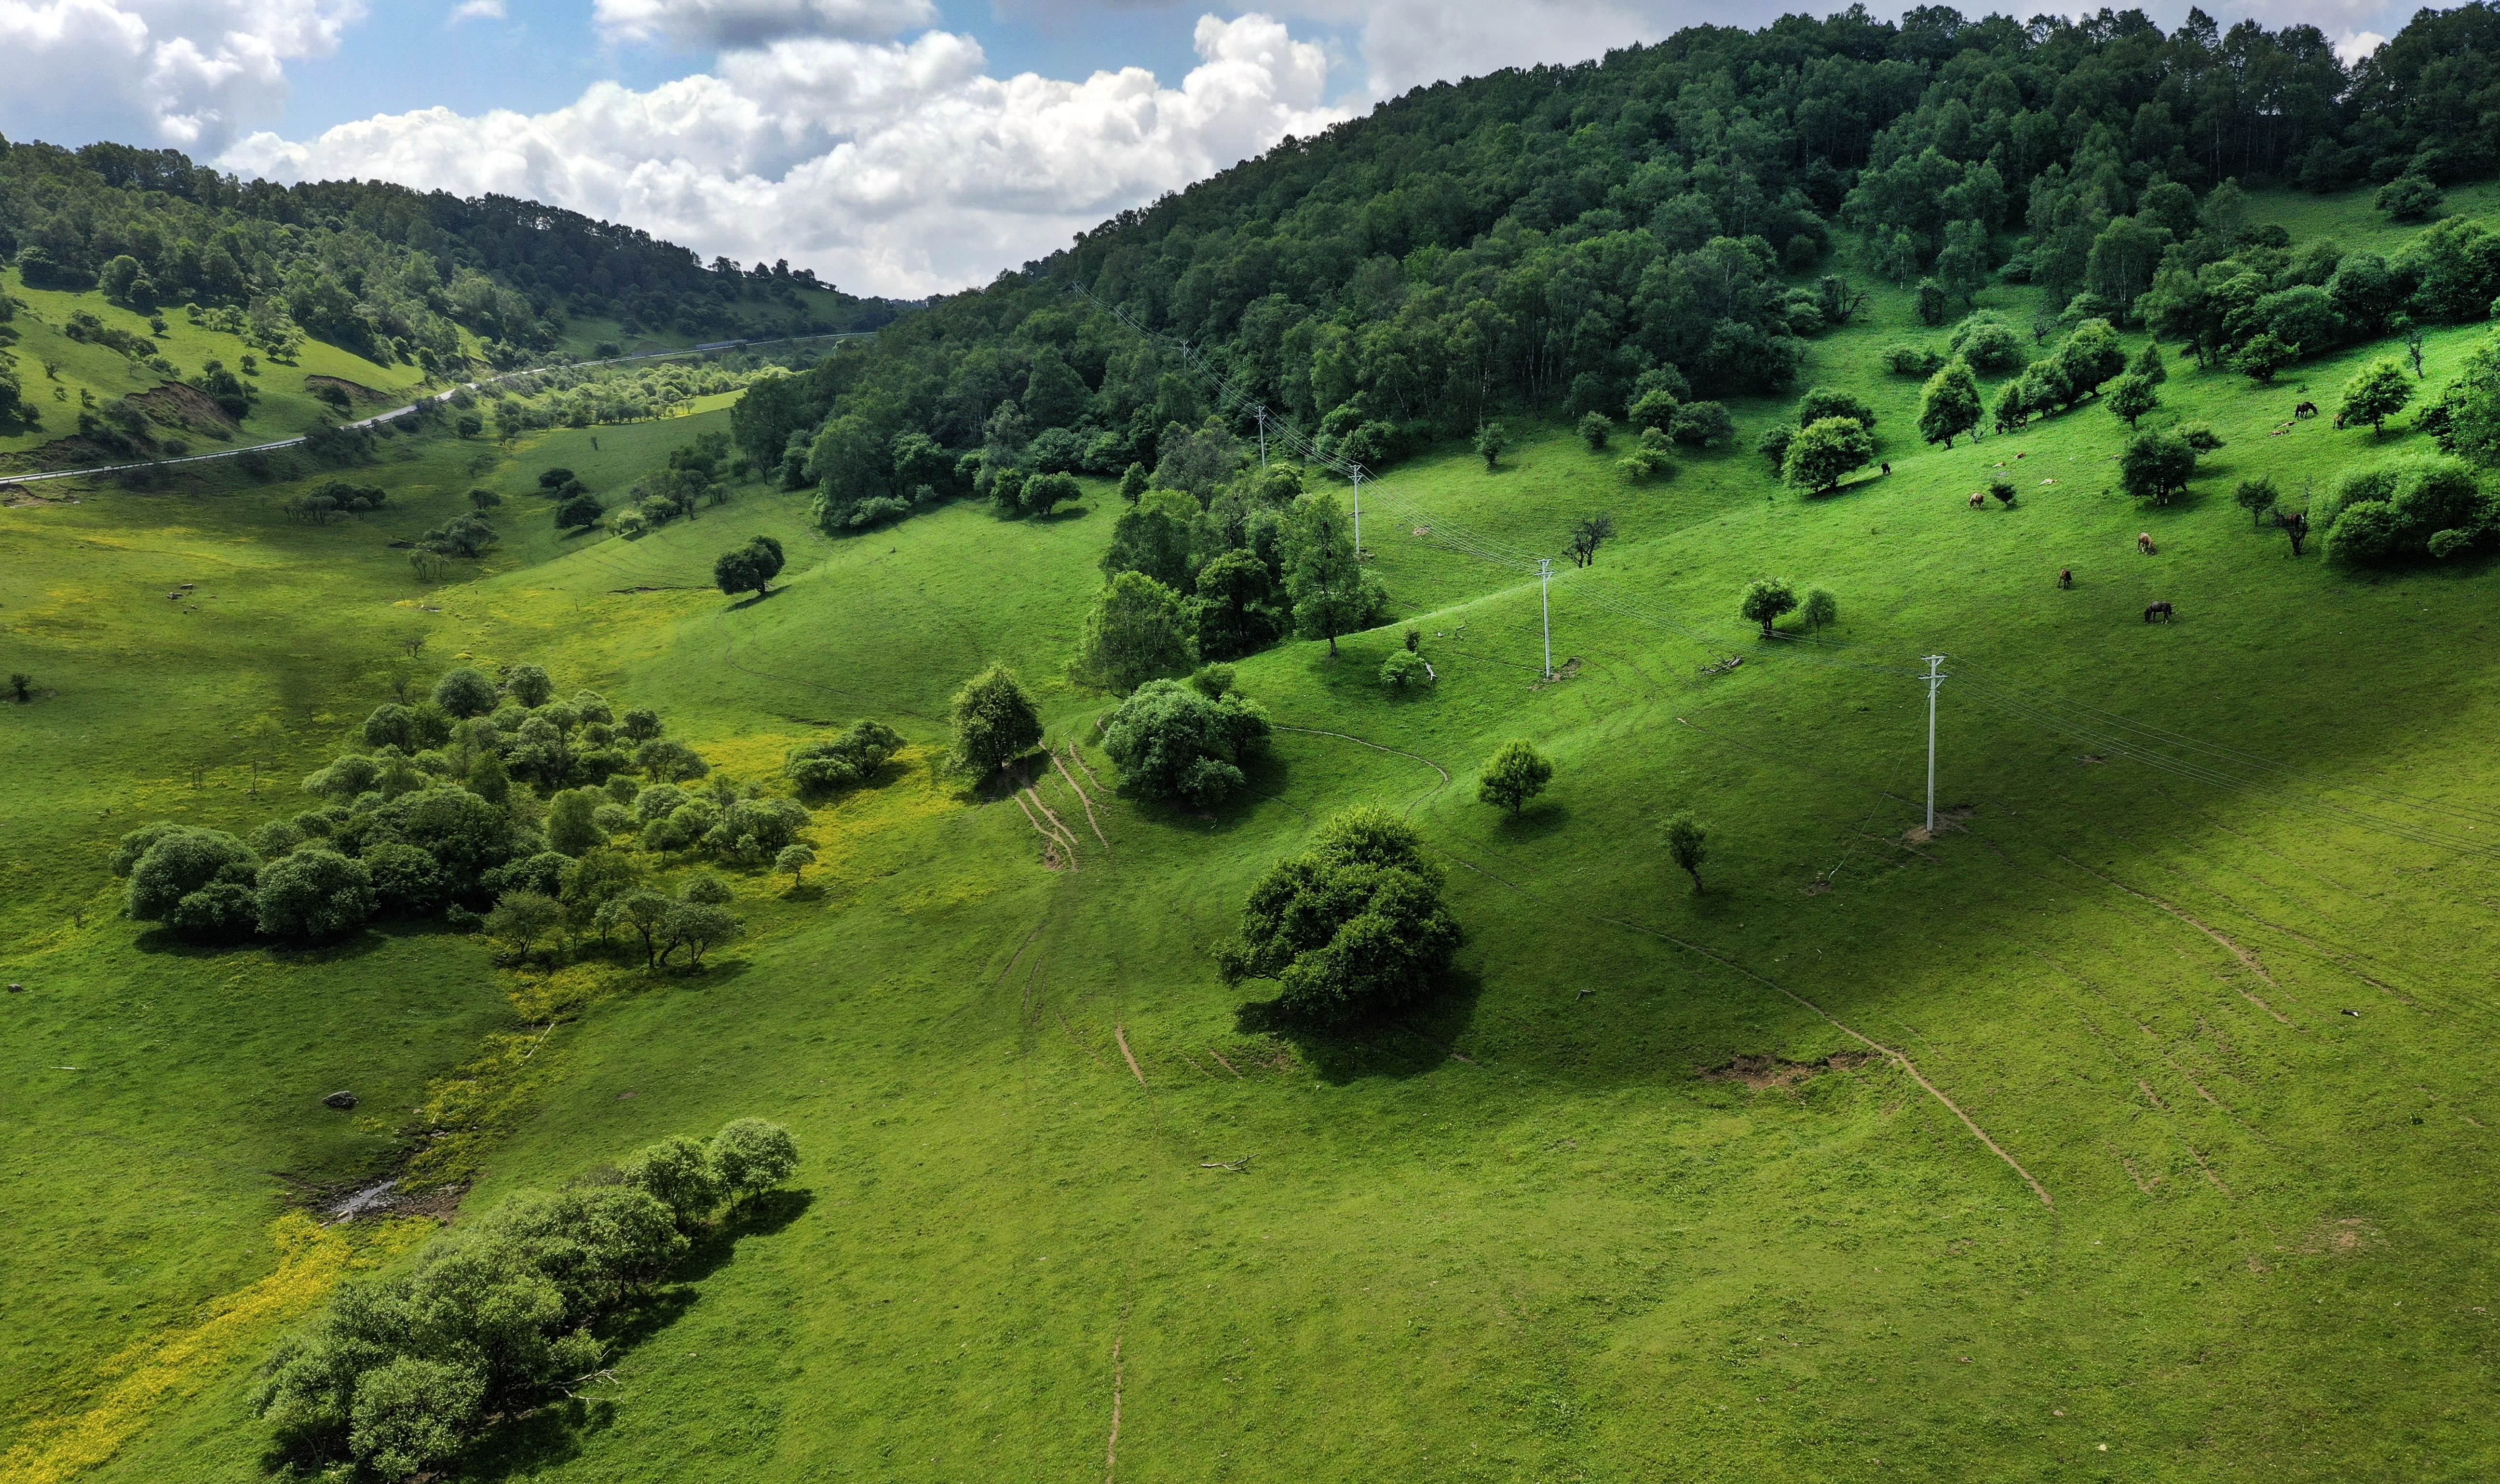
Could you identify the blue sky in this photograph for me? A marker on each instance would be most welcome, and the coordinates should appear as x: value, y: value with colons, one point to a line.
x: 409, y: 57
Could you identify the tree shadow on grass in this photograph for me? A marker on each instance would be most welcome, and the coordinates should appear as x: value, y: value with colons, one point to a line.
x: 1409, y: 1042
x: 743, y: 604
x: 356, y: 945
x: 1533, y: 824
x: 528, y: 1445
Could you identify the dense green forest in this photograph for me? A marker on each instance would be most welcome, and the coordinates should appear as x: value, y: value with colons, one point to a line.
x: 391, y: 273
x: 1663, y: 220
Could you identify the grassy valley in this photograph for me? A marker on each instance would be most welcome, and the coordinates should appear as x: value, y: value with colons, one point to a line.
x: 1544, y: 1226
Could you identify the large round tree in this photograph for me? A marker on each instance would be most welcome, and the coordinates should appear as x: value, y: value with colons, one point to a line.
x: 1355, y: 926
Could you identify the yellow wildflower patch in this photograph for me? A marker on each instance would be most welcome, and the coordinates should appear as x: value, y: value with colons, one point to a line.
x: 311, y: 1261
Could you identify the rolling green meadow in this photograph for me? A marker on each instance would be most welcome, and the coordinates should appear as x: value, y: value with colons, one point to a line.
x: 2135, y: 1126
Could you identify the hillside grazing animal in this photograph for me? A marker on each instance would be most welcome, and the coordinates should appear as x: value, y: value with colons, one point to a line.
x: 1978, y: 498
x: 2144, y: 542
x: 1887, y: 469
x: 2305, y: 409
x: 2163, y: 608
x: 2066, y: 577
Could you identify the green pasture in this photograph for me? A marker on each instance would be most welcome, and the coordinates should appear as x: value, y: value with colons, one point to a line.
x: 51, y: 363
x: 1515, y: 1235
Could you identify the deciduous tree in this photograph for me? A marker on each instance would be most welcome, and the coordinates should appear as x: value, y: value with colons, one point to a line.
x: 1514, y: 775
x: 996, y: 721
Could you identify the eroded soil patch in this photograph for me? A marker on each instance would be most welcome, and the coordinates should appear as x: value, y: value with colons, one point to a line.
x: 1765, y: 1072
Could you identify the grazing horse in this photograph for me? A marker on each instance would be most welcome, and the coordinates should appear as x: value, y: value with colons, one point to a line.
x: 2163, y: 608
x: 2305, y: 409
x: 2066, y: 577
x: 2144, y: 542
x: 1978, y: 498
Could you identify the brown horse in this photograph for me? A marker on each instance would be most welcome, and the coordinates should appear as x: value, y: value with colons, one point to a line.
x: 2163, y: 608
x: 2066, y: 577
x: 2305, y: 409
x: 1978, y: 498
x: 2144, y: 542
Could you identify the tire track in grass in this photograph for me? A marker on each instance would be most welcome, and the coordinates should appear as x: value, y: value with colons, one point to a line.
x: 2244, y: 956
x: 1034, y: 821
x: 1081, y: 795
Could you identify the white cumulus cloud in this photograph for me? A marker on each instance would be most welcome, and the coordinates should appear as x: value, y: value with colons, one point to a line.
x: 891, y: 167
x: 191, y: 74
x: 754, y: 22
x: 477, y: 10
x: 2354, y: 46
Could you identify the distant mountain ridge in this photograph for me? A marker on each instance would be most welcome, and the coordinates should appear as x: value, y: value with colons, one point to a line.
x: 388, y: 272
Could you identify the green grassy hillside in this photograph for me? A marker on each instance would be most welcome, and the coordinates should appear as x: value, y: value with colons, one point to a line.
x: 62, y: 375
x: 1071, y: 1206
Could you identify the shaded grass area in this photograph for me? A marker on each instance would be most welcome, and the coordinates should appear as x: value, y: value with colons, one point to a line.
x: 1559, y: 1253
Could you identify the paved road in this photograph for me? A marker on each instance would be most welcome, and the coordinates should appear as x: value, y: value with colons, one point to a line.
x: 383, y: 418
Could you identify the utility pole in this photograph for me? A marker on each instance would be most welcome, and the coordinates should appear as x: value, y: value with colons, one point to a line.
x: 1263, y: 435
x: 1358, y: 512
x: 1936, y: 680
x: 1545, y: 599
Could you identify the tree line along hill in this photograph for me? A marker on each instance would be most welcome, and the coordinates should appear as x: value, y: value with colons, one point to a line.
x: 1569, y: 239
x: 389, y: 274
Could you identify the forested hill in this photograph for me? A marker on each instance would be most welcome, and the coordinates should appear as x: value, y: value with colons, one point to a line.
x: 1671, y: 217
x: 385, y: 272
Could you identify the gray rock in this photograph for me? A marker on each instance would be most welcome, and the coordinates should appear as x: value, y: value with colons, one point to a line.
x: 340, y: 1100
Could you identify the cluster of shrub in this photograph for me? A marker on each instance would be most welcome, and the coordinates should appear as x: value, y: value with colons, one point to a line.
x: 2402, y: 509
x: 1187, y: 739
x: 1832, y: 432
x: 1661, y: 414
x: 697, y: 474
x: 595, y: 396
x: 507, y: 1310
x: 2248, y: 301
x: 332, y: 499
x: 480, y: 795
x: 1213, y: 560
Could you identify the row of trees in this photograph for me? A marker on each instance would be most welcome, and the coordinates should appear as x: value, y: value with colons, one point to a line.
x: 506, y: 1312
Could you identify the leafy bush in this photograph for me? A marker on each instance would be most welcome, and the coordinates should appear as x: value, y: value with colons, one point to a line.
x: 1917, y: 361
x: 1648, y: 459
x: 1355, y: 926
x: 1701, y: 424
x: 2403, y: 508
x: 315, y: 893
x: 843, y: 762
x: 1988, y: 343
x: 1172, y: 740
x: 1403, y: 668
x: 498, y: 1314
x: 179, y: 859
